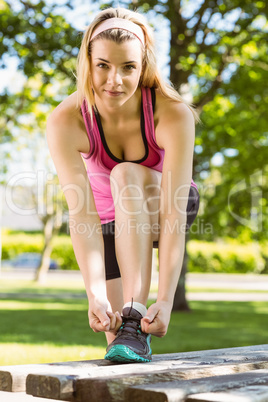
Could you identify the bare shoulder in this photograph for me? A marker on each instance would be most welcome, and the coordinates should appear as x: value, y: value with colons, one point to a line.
x: 167, y: 108
x: 65, y: 112
x: 65, y: 124
x: 175, y: 120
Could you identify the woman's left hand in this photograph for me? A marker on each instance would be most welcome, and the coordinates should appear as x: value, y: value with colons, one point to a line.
x: 157, y: 319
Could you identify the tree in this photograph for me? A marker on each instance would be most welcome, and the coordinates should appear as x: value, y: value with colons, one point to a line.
x: 37, y: 192
x: 218, y: 52
x: 51, y: 218
x: 45, y: 46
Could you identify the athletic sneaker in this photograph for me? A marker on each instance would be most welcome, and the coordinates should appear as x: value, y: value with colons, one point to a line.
x: 130, y: 344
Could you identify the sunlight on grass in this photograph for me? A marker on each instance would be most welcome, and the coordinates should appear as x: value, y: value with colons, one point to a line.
x: 261, y: 308
x: 38, y: 330
x: 42, y: 305
x: 14, y: 353
x: 215, y: 325
x: 221, y: 290
x: 77, y: 287
x: 51, y: 286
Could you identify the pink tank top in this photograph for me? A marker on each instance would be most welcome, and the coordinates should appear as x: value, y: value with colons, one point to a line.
x: 100, y: 161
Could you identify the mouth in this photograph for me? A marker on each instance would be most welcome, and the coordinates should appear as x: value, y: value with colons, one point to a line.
x: 114, y: 93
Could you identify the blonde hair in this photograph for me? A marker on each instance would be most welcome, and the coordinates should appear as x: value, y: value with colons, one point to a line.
x: 150, y: 76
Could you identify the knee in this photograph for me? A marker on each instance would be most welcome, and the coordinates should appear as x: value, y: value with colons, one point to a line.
x: 122, y: 173
x: 127, y: 177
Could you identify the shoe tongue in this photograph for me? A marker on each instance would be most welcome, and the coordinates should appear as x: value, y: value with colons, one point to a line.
x: 131, y: 313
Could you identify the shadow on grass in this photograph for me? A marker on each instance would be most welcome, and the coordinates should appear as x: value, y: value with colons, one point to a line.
x: 215, y: 325
x: 210, y: 325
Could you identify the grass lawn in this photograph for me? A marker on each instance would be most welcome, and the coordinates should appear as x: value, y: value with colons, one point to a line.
x: 52, y: 286
x: 52, y: 329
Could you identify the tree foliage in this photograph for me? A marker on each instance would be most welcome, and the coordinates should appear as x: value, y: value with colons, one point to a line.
x: 218, y: 51
x: 45, y: 47
x: 218, y: 54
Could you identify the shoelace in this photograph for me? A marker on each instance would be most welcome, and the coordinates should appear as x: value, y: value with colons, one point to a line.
x: 130, y: 326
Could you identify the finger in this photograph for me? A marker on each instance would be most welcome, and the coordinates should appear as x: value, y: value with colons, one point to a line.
x: 144, y: 326
x: 118, y: 316
x: 112, y: 320
x: 148, y: 319
x: 118, y: 320
x: 95, y: 325
x: 157, y: 329
x: 103, y: 318
x: 152, y: 329
x: 151, y: 314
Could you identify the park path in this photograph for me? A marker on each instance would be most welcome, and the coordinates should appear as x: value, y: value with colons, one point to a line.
x: 253, y: 287
x: 242, y: 287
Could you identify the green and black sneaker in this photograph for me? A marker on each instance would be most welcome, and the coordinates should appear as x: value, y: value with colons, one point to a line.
x: 131, y: 344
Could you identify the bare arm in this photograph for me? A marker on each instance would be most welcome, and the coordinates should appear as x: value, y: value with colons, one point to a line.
x: 65, y: 144
x: 178, y: 142
x: 176, y: 134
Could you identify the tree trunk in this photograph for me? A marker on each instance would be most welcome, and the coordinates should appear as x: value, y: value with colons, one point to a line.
x: 178, y: 76
x: 178, y: 47
x: 49, y: 232
x: 180, y: 301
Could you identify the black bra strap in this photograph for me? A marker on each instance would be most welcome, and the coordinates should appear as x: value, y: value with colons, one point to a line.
x: 153, y: 98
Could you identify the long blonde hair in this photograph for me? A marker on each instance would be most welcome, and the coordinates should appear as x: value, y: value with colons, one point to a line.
x: 150, y: 76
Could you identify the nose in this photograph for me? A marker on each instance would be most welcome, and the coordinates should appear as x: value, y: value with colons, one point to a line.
x: 114, y: 77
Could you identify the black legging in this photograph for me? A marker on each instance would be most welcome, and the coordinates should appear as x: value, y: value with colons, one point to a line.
x: 108, y: 231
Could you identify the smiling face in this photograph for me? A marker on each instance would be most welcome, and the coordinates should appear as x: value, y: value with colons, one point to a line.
x: 116, y: 70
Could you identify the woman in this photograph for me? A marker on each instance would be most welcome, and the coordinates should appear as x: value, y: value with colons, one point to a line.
x: 136, y: 137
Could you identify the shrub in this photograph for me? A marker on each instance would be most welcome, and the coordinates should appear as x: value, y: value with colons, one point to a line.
x: 228, y: 256
x: 63, y: 253
x: 264, y: 252
x: 15, y: 244
x: 225, y: 257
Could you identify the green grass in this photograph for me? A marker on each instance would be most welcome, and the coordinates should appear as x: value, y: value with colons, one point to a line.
x: 213, y: 325
x: 51, y: 286
x: 53, y: 329
x: 222, y: 290
x: 37, y: 331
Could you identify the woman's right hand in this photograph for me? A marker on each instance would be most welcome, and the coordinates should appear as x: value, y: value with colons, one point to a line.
x: 101, y: 317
